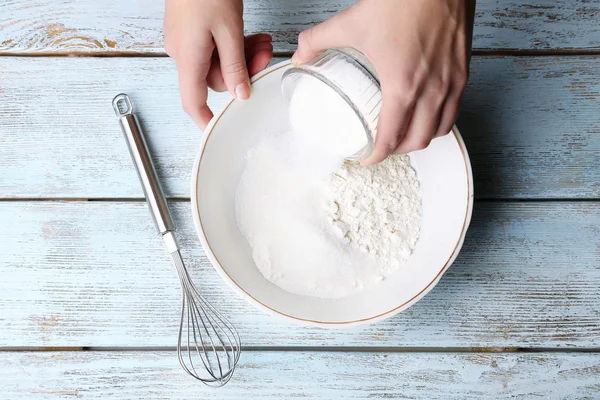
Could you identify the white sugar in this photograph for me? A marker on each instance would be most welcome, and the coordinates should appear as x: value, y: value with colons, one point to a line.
x: 318, y: 226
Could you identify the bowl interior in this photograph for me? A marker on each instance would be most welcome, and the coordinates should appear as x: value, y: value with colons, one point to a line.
x: 444, y: 175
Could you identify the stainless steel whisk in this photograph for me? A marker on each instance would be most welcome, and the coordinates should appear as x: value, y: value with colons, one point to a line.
x: 204, y: 333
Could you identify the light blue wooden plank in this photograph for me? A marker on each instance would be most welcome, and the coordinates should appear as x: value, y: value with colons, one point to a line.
x: 88, y: 26
x: 60, y: 135
x: 304, y: 375
x: 537, y: 25
x: 531, y: 127
x: 96, y: 274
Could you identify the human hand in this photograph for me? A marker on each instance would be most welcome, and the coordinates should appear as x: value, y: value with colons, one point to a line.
x: 420, y: 50
x: 206, y: 40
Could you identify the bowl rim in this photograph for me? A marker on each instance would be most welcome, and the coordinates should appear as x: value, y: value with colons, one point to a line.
x: 273, y: 311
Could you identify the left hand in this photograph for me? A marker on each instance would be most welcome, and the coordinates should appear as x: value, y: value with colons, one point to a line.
x: 206, y: 40
x: 420, y: 50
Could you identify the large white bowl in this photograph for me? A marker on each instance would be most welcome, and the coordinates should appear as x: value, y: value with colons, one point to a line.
x: 445, y: 176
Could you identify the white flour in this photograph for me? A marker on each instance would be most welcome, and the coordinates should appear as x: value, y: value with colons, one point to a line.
x: 378, y: 209
x: 318, y: 226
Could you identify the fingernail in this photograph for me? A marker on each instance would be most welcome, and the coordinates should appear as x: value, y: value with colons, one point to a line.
x: 242, y: 91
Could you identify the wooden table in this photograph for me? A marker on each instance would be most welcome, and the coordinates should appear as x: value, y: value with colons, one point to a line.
x: 88, y: 298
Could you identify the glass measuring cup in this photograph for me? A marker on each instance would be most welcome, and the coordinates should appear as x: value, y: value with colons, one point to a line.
x: 351, y: 75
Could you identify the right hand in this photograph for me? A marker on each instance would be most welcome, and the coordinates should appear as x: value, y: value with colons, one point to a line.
x: 206, y: 40
x: 421, y: 51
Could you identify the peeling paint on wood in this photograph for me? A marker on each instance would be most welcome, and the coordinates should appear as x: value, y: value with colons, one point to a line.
x: 528, y: 275
x: 96, y: 274
x: 136, y: 27
x: 305, y: 375
x: 530, y: 124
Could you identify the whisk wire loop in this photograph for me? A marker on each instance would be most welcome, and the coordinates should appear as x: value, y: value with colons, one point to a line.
x: 207, y: 334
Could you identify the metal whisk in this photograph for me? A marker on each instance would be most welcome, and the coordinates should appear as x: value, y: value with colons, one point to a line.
x: 206, y: 338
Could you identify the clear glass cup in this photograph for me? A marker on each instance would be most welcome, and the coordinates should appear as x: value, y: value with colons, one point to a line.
x: 350, y: 73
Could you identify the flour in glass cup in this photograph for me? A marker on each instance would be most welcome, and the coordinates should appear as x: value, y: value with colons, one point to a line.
x: 318, y: 225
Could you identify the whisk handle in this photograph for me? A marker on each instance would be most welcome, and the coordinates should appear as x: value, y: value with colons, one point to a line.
x: 143, y: 162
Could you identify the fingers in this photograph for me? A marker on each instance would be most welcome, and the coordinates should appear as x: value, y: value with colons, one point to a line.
x: 193, y: 71
x: 259, y: 52
x: 393, y: 120
x: 260, y: 58
x: 313, y: 41
x: 448, y: 114
x: 450, y: 109
x: 215, y: 77
x: 424, y: 123
x: 258, y: 55
x: 230, y: 45
x: 256, y: 38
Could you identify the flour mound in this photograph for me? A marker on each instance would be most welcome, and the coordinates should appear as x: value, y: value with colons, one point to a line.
x: 377, y: 209
x: 326, y: 237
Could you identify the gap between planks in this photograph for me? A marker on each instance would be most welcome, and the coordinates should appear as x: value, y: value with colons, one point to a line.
x: 318, y: 349
x: 141, y: 54
x: 187, y: 199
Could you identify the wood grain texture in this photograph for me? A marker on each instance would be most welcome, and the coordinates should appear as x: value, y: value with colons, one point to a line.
x: 96, y: 274
x: 93, y: 27
x: 304, y: 375
x: 78, y: 274
x: 530, y: 124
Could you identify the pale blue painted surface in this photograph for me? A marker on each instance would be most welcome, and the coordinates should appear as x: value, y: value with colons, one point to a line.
x: 305, y: 375
x: 91, y: 26
x: 530, y: 124
x: 95, y: 274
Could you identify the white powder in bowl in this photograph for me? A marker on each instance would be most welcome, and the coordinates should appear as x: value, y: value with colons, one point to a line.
x: 319, y: 226
x: 377, y: 209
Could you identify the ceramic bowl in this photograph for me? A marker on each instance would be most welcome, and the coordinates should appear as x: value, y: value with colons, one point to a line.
x: 445, y: 177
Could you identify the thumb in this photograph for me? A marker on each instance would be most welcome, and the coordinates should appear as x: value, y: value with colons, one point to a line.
x: 230, y: 45
x: 313, y: 41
